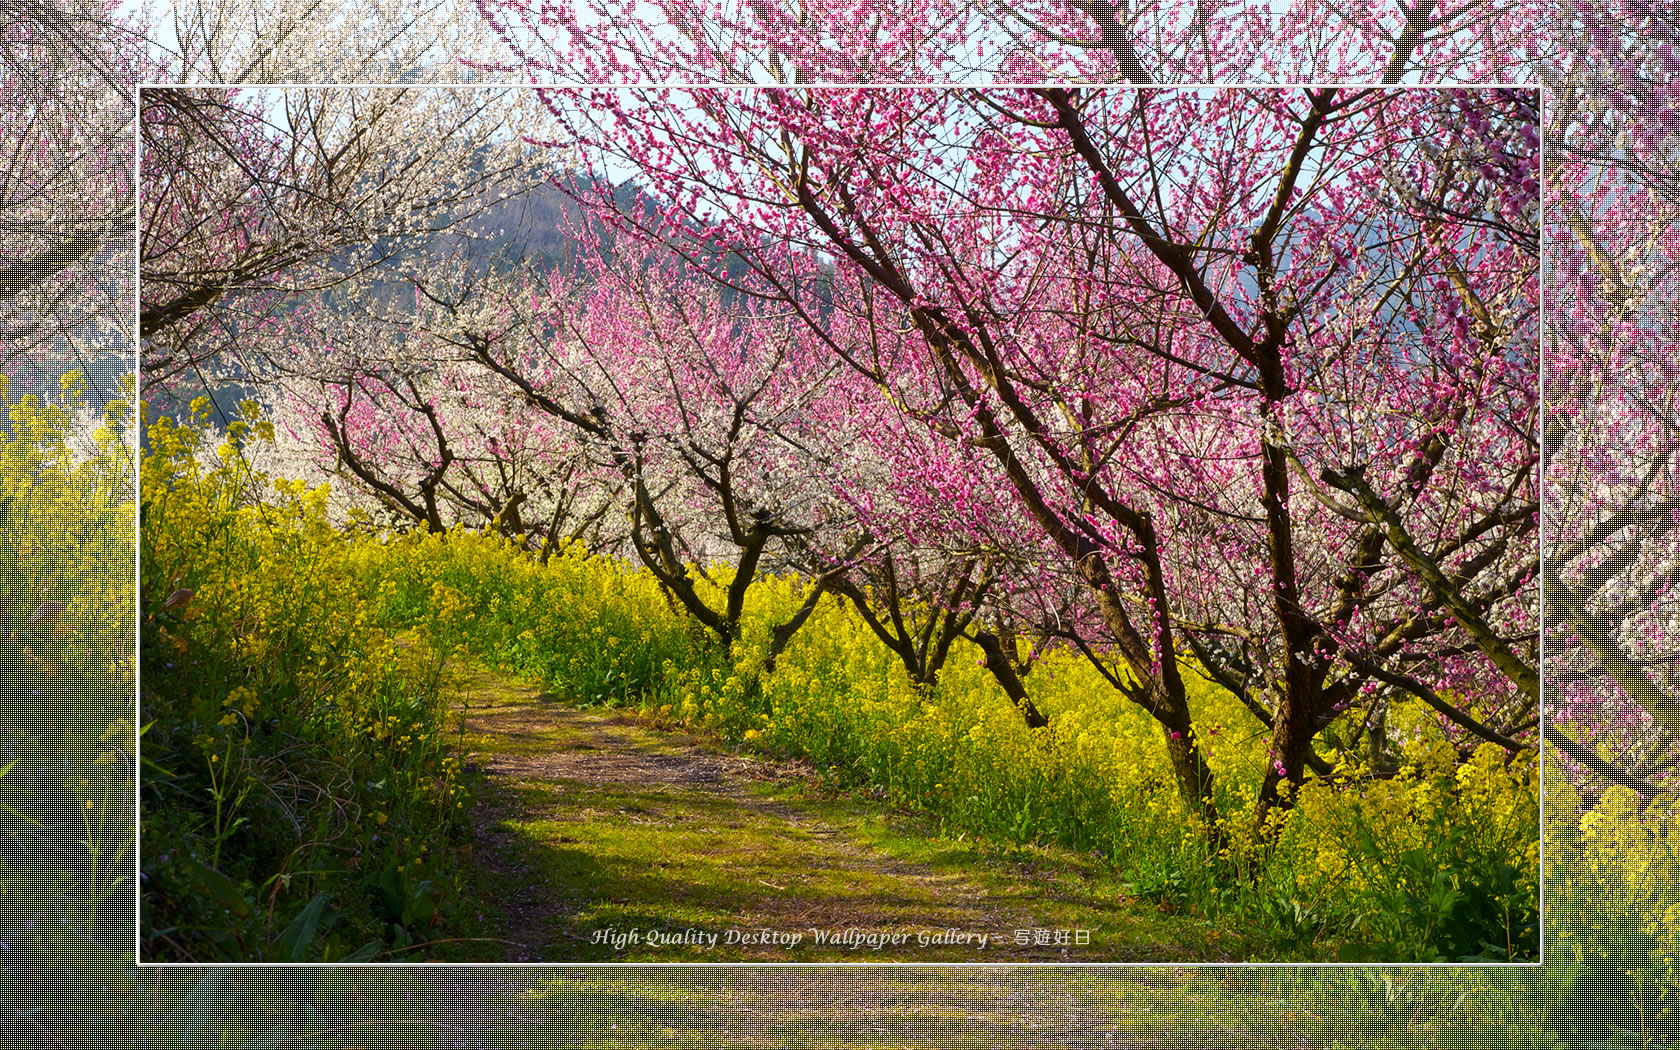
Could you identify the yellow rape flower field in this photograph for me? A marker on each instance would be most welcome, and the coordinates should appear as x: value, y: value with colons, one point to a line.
x: 314, y: 784
x: 66, y: 667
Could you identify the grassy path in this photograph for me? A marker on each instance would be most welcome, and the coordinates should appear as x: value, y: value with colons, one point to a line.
x: 603, y: 839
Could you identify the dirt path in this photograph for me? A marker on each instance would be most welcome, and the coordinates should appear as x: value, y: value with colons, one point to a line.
x: 604, y: 839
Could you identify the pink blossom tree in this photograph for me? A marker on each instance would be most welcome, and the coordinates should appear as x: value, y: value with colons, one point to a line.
x: 1256, y: 365
x: 1142, y: 42
x: 1613, y: 71
x: 382, y: 394
x: 1613, y: 493
x: 934, y: 562
x: 709, y: 409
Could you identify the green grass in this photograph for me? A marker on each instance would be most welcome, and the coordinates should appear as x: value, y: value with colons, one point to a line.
x: 301, y: 798
x: 601, y: 825
x: 66, y: 673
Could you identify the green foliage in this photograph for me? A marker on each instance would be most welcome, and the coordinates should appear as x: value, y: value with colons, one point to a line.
x: 302, y: 797
x: 66, y: 537
x: 1613, y: 913
x: 66, y: 668
x: 582, y: 622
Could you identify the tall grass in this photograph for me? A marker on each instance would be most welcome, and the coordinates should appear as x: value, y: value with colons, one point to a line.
x: 302, y: 797
x: 66, y: 670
